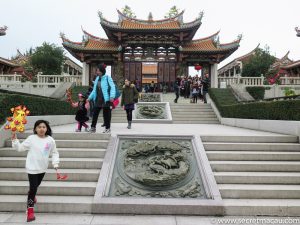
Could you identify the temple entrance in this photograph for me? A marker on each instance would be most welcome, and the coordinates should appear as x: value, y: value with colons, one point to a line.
x: 161, y: 73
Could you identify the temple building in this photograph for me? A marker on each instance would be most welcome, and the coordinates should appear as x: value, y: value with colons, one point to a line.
x: 285, y: 66
x: 235, y: 67
x: 17, y: 63
x: 150, y: 50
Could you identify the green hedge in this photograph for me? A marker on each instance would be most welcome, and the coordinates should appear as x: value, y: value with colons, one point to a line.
x: 258, y: 93
x: 78, y: 89
x: 277, y: 110
x: 24, y: 94
x: 222, y: 97
x: 36, y: 105
x: 228, y: 107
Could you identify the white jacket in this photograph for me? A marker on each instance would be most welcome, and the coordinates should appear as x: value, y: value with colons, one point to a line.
x: 39, y: 151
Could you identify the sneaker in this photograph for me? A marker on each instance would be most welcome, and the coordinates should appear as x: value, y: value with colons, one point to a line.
x: 87, y: 129
x: 106, y: 131
x: 93, y: 130
x: 77, y: 130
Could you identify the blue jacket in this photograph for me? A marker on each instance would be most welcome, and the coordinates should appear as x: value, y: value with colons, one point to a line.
x: 104, y: 86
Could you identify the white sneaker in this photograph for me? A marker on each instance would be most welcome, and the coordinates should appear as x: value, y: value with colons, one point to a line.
x: 107, y: 131
x: 77, y: 130
x: 87, y: 129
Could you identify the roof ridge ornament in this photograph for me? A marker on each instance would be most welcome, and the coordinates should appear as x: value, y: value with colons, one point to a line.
x: 62, y: 36
x: 298, y: 31
x: 200, y: 15
x: 100, y: 14
x: 3, y: 30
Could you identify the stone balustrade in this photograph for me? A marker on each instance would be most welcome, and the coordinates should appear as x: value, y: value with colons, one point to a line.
x: 43, y: 79
x: 256, y: 81
x: 57, y: 79
x: 10, y: 78
x: 290, y: 80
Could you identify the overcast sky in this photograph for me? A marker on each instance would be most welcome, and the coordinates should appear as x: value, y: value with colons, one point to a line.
x: 271, y: 22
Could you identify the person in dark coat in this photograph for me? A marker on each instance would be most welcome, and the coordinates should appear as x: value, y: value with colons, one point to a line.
x: 177, y: 88
x: 130, y: 96
x: 205, y: 86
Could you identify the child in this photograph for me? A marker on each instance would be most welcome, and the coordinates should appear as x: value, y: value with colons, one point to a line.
x: 195, y: 93
x: 39, y: 146
x: 81, y: 114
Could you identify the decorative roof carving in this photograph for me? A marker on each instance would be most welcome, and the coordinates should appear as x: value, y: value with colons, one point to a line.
x: 3, y: 30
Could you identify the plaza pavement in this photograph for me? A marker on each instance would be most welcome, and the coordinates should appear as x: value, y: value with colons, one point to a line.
x: 105, y: 219
x: 110, y: 219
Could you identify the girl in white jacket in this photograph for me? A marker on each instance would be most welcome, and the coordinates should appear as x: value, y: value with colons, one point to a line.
x: 39, y: 146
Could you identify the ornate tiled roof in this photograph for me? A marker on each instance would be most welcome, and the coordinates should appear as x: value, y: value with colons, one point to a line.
x: 7, y: 62
x: 210, y: 44
x: 127, y: 23
x: 97, y: 44
x: 292, y: 65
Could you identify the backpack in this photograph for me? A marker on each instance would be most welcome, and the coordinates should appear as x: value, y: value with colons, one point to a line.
x: 118, y: 94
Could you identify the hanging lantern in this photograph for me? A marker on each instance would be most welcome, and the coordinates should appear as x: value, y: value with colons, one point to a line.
x: 198, y: 67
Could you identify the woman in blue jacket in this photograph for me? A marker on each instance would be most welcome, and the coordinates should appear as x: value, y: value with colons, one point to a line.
x: 103, y: 94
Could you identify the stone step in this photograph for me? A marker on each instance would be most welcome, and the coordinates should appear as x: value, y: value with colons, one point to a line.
x: 191, y: 105
x: 197, y: 122
x: 255, y: 166
x: 221, y: 146
x: 251, y: 139
x: 57, y: 188
x: 187, y: 110
x: 253, y: 155
x: 190, y: 115
x: 263, y: 191
x: 63, y: 152
x: 257, y: 177
x: 73, y: 143
x: 19, y: 174
x: 263, y: 207
x: 188, y: 118
x: 48, y: 204
x: 72, y: 136
x: 65, y: 163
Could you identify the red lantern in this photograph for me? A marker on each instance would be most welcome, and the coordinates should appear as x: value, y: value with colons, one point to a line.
x: 198, y: 67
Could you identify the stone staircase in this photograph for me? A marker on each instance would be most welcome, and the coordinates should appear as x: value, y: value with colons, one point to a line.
x: 81, y: 157
x: 181, y: 113
x: 256, y: 175
x: 193, y: 114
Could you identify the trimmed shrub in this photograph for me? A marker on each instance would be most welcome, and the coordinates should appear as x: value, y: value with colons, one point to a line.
x: 36, y: 105
x: 276, y: 110
x: 258, y: 93
x: 222, y: 97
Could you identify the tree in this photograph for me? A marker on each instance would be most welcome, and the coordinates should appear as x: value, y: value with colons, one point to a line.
x: 48, y: 59
x: 259, y: 63
x: 174, y: 11
x: 127, y: 11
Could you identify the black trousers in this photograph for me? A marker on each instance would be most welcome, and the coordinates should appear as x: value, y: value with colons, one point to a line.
x: 96, y: 112
x: 34, y: 182
x: 204, y: 96
x: 129, y: 115
x: 177, y: 95
x: 106, y: 116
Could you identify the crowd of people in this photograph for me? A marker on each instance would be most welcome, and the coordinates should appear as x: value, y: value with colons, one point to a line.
x: 192, y: 88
